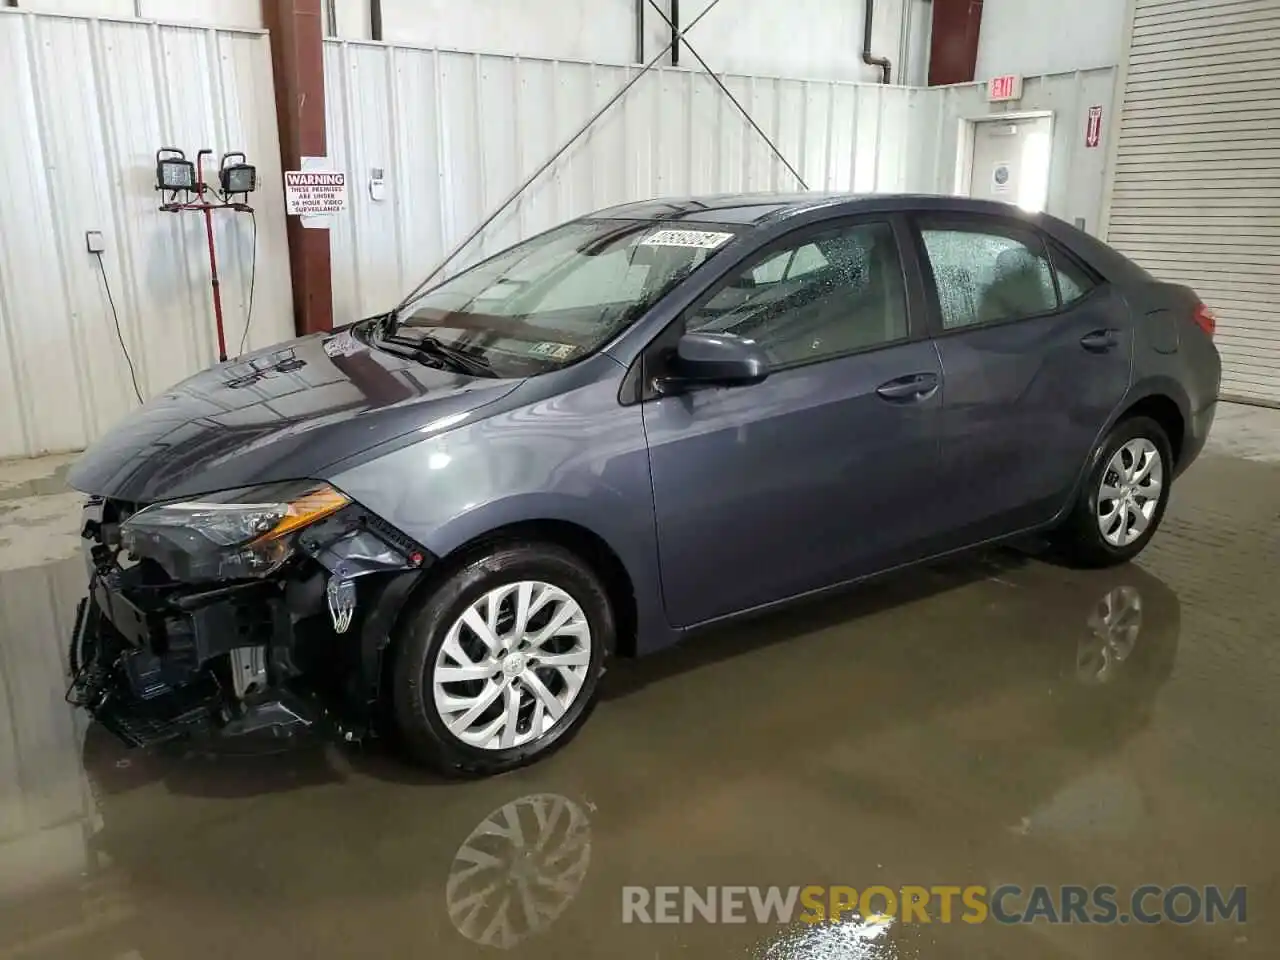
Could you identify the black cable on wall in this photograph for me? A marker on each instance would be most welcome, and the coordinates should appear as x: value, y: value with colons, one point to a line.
x: 253, y: 280
x: 106, y: 285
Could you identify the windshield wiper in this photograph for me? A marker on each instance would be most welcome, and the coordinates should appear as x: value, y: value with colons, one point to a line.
x: 445, y: 354
x: 385, y: 325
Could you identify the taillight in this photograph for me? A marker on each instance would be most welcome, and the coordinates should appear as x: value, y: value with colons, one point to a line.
x: 1205, y: 320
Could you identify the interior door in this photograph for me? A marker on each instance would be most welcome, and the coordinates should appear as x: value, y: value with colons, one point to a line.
x: 825, y: 471
x: 1037, y: 353
x: 1010, y: 161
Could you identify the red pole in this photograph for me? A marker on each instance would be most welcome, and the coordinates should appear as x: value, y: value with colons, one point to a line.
x: 217, y: 294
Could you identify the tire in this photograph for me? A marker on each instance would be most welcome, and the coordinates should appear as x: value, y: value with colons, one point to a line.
x: 1080, y: 540
x: 428, y: 626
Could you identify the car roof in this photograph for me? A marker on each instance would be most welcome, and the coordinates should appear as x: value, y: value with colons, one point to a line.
x: 758, y: 208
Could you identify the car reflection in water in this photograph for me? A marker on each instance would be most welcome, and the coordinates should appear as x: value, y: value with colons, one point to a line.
x: 973, y: 692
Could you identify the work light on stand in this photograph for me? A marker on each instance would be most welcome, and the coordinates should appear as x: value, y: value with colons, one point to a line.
x: 237, y: 178
x: 176, y: 174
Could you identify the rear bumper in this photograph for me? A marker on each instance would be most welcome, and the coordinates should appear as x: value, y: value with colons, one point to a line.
x: 1197, y: 433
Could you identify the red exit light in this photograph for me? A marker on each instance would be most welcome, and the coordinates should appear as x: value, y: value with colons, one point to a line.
x: 1008, y: 87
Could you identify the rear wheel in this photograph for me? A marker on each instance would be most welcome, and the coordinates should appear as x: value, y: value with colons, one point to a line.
x: 1123, y: 499
x: 499, y: 665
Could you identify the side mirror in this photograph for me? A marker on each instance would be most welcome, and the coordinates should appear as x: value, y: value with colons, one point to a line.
x: 715, y: 359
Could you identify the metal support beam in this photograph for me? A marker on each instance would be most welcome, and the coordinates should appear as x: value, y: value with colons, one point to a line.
x: 674, y: 21
x: 296, y: 28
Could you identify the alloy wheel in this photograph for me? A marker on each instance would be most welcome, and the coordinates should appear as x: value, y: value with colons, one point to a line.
x: 512, y: 665
x: 1130, y: 492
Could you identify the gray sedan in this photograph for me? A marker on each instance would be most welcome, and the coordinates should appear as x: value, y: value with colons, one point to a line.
x: 647, y: 420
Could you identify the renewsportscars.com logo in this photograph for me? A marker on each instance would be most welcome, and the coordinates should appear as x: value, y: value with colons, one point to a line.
x: 1007, y: 904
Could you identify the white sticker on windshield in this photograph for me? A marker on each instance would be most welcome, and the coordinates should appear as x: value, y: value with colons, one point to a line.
x: 701, y: 239
x: 555, y: 351
x: 343, y: 345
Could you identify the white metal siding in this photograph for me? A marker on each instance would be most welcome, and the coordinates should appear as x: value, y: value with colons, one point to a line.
x: 1197, y: 179
x: 1076, y: 172
x: 87, y: 103
x: 823, y: 37
x: 455, y: 133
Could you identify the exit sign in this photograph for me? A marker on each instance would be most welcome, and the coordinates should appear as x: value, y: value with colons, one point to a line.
x: 1008, y: 87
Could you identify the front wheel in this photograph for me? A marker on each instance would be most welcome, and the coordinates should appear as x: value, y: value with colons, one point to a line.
x: 499, y: 664
x: 1123, y: 499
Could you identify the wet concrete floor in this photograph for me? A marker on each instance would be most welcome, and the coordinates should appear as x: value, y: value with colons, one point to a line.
x: 989, y: 721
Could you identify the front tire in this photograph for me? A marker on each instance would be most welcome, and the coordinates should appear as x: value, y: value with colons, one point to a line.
x: 1123, y: 498
x: 499, y: 664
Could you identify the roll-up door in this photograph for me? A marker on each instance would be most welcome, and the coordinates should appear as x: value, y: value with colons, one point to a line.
x: 1196, y: 195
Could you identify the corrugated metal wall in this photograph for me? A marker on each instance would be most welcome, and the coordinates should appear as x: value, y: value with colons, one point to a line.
x: 455, y: 133
x: 1076, y: 172
x: 1196, y: 198
x: 85, y: 106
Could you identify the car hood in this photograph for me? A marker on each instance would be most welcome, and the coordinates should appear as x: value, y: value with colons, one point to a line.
x: 283, y: 413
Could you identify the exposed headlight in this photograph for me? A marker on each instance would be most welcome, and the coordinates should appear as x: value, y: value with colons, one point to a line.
x: 230, y: 535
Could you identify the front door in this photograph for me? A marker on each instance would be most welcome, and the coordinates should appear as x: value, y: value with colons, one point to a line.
x: 825, y: 471
x: 1037, y: 352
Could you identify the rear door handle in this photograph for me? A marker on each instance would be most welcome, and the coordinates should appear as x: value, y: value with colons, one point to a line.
x: 911, y: 388
x: 1100, y: 341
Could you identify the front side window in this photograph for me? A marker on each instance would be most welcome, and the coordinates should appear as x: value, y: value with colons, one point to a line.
x: 560, y: 296
x: 987, y: 275
x: 834, y: 292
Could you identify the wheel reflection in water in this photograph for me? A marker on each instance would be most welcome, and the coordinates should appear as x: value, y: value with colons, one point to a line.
x: 1114, y: 626
x: 519, y: 870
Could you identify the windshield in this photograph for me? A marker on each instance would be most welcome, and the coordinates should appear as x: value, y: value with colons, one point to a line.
x: 558, y: 297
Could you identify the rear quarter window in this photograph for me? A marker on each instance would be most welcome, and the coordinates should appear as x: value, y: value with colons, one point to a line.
x: 1075, y: 281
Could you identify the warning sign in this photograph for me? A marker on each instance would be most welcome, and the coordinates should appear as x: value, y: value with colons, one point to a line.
x: 310, y: 193
x: 1093, y: 128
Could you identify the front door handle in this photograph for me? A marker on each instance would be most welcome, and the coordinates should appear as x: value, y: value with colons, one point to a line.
x: 911, y: 388
x: 1100, y: 341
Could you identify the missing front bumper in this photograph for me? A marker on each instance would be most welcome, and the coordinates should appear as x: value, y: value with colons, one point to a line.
x: 154, y: 659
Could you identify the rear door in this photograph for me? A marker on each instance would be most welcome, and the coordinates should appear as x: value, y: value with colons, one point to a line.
x: 826, y: 470
x: 1037, y: 353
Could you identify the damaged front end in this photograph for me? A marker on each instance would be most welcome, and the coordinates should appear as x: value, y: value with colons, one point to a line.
x: 260, y: 610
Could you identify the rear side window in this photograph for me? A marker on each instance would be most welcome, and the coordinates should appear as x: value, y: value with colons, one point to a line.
x: 1074, y: 281
x: 989, y: 274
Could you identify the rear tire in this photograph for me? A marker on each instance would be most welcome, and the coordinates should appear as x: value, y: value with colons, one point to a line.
x: 1123, y: 498
x: 484, y: 680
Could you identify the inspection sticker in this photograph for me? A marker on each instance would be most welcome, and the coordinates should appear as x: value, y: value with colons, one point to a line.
x: 701, y: 239
x: 343, y: 345
x: 556, y: 351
